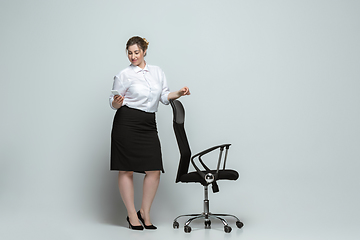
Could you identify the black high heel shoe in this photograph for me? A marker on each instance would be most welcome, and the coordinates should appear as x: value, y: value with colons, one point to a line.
x: 134, y: 227
x: 152, y: 227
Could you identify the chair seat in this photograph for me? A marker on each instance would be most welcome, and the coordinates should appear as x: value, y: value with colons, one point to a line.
x: 226, y: 174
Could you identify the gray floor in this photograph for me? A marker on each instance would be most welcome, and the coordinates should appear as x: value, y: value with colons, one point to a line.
x: 44, y: 224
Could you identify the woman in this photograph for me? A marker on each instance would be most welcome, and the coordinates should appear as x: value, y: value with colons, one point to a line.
x: 135, y: 145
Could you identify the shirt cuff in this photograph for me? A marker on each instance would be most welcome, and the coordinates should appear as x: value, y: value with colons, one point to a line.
x: 164, y: 99
x: 111, y: 99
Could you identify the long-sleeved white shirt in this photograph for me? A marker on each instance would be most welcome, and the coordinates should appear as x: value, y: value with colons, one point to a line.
x: 142, y: 88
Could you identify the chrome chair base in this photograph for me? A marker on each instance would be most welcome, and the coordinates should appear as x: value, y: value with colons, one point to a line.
x: 206, y: 215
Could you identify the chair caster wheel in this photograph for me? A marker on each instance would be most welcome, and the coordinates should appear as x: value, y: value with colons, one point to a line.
x: 239, y: 224
x: 227, y: 229
x: 208, y: 224
x: 187, y: 229
x: 175, y: 224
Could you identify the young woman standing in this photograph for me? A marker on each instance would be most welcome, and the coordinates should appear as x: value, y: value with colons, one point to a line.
x: 135, y: 146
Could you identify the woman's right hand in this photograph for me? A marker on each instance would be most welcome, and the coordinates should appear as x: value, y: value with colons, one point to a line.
x: 118, y: 101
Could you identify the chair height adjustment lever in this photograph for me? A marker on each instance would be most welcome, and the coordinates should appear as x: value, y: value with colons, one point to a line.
x: 215, y: 187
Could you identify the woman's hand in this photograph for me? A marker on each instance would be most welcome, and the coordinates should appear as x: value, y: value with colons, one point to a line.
x: 182, y: 92
x: 118, y: 101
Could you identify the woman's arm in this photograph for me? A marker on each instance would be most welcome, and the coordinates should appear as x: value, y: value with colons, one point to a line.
x: 182, y: 92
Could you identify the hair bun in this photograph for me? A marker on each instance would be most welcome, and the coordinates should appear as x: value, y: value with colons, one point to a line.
x: 146, y: 41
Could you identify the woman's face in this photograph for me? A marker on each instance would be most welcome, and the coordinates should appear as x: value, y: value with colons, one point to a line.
x: 136, y: 55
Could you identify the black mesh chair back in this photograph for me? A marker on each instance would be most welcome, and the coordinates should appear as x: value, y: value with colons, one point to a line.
x: 183, y: 144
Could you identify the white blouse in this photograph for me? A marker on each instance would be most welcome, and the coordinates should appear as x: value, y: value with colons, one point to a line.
x: 142, y: 88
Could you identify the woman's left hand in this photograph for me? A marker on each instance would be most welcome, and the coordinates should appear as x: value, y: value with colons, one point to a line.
x: 184, y: 91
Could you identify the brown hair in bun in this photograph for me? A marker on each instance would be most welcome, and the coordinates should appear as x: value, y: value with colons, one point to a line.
x: 141, y: 42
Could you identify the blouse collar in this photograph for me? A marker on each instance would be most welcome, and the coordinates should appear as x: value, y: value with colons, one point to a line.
x: 138, y: 69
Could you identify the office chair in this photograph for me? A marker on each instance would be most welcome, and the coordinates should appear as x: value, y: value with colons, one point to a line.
x: 205, y: 177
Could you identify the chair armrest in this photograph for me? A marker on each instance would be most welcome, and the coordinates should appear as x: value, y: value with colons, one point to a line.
x: 212, y: 149
x: 200, y: 154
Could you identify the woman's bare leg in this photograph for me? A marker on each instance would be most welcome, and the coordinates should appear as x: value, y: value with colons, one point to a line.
x: 126, y: 187
x: 151, y: 183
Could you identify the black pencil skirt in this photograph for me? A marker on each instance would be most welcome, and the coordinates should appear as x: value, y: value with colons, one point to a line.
x: 135, y: 144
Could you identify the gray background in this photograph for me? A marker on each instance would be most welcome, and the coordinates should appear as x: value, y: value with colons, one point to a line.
x: 277, y: 79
